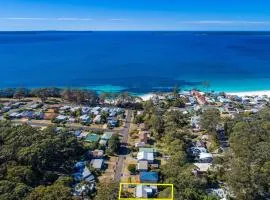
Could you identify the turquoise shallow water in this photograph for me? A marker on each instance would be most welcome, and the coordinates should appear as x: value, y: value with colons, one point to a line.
x: 139, y: 62
x: 106, y: 88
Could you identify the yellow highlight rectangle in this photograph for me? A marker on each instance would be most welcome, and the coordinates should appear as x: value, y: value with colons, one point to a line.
x: 157, y: 184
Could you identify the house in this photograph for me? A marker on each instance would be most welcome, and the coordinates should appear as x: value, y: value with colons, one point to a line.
x: 195, y: 151
x: 223, y: 99
x: 39, y: 115
x: 112, y: 113
x: 27, y: 114
x: 202, y: 167
x: 103, y: 142
x: 143, y: 136
x: 105, y: 110
x: 15, y: 115
x: 142, y: 165
x: 113, y: 122
x: 74, y: 109
x: 200, y: 143
x: 95, y: 110
x: 85, y: 110
x: 205, y: 157
x: 36, y: 105
x: 65, y: 108
x: 61, y: 118
x: 97, y: 163
x: 79, y: 165
x: 96, y: 153
x: 83, y: 134
x: 148, y: 150
x: 16, y: 105
x: 82, y: 173
x: 92, y: 137
x: 87, y: 175
x: 148, y: 177
x: 140, y: 144
x: 144, y: 191
x: 71, y: 120
x: 97, y: 119
x: 77, y: 133
x: 107, y: 135
x: 85, y: 119
x: 191, y: 100
x: 142, y: 155
x: 199, y: 97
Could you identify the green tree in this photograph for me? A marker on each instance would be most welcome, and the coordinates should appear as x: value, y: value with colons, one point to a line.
x: 210, y: 119
x: 248, y: 161
x: 21, y: 93
x: 156, y: 124
x: 52, y: 192
x: 107, y: 191
x: 13, y: 191
x: 31, y: 158
x: 114, y: 144
x: 21, y: 174
x: 132, y: 168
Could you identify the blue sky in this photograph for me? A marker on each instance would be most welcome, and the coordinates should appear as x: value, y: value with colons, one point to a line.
x: 134, y: 15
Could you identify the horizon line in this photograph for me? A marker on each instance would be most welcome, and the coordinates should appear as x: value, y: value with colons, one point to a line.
x: 135, y: 30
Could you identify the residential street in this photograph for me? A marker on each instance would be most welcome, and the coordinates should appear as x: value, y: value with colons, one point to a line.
x: 123, y: 150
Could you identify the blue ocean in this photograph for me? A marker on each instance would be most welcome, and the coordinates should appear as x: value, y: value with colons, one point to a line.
x: 139, y: 62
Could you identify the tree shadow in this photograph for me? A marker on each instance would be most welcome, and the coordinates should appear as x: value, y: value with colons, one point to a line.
x: 124, y: 151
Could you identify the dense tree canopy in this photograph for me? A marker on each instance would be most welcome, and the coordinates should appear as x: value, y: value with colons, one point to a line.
x: 80, y: 96
x: 32, y: 162
x: 107, y: 191
x: 114, y: 144
x: 247, y: 165
x: 210, y: 119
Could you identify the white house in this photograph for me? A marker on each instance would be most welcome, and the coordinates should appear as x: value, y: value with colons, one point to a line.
x: 144, y: 191
x: 142, y: 155
x: 61, y: 118
x: 205, y: 158
x: 85, y: 118
x: 85, y: 110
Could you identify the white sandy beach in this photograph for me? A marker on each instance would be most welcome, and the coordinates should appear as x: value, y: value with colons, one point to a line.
x: 250, y: 93
x: 148, y: 96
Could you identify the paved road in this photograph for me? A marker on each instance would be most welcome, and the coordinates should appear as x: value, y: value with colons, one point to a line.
x: 123, y: 150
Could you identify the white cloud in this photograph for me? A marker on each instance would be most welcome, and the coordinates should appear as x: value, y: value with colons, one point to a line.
x: 224, y: 22
x: 117, y: 19
x: 73, y: 19
x: 25, y: 18
x: 49, y: 19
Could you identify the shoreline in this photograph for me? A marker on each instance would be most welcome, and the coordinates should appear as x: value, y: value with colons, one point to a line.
x: 148, y: 96
x: 250, y: 93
